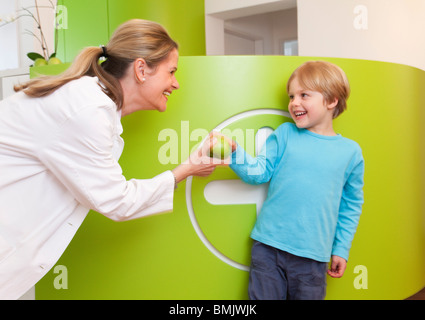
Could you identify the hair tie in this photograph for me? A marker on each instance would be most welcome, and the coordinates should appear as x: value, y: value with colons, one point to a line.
x: 104, y: 54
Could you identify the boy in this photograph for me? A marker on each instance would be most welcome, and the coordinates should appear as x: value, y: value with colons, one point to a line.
x: 315, y: 195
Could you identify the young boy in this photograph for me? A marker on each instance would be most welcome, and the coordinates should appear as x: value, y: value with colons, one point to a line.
x: 315, y: 195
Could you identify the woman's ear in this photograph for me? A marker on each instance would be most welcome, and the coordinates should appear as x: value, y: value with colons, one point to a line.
x: 139, y: 66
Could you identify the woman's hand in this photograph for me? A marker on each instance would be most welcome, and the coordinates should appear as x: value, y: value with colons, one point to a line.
x: 199, y: 162
x: 215, y: 134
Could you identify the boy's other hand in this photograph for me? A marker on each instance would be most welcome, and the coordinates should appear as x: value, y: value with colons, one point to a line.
x: 337, y: 267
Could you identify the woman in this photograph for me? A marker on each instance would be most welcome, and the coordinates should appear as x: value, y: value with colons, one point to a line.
x: 60, y: 143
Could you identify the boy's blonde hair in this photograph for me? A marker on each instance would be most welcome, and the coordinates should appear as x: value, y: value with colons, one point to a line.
x: 326, y: 78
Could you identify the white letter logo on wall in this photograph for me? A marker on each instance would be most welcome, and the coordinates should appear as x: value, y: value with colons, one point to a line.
x: 234, y: 192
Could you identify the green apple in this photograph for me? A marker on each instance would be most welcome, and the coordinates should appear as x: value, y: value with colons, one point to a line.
x: 40, y: 62
x: 221, y: 149
x: 54, y: 60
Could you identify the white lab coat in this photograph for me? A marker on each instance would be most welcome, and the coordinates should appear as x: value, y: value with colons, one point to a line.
x: 58, y: 160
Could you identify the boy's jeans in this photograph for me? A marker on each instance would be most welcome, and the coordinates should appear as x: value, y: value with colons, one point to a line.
x: 279, y: 275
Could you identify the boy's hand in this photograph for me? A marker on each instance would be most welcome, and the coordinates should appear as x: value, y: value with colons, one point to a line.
x: 337, y: 267
x: 198, y: 164
x: 215, y: 134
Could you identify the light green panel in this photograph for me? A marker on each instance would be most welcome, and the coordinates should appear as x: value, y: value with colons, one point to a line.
x: 87, y: 26
x: 91, y: 23
x: 162, y: 257
x: 183, y: 19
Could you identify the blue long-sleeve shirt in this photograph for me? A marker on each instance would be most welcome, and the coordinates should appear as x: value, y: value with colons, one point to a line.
x: 315, y: 194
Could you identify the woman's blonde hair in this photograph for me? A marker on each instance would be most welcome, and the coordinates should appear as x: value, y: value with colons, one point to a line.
x: 132, y: 40
x: 326, y: 78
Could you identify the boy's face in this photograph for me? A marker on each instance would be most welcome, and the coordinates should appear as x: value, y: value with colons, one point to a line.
x: 309, y: 109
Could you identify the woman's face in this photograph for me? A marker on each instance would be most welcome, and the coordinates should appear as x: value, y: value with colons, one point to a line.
x: 160, y: 82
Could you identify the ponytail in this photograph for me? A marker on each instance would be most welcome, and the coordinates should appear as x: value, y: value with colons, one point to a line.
x: 86, y: 64
x: 132, y: 40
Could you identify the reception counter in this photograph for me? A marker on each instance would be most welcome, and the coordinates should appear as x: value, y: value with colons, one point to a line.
x: 202, y: 249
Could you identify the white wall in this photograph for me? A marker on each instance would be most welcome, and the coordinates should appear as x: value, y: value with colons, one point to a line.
x: 269, y: 29
x: 8, y: 36
x: 253, y: 19
x: 382, y: 30
x: 10, y: 78
x: 231, y: 9
x: 15, y: 41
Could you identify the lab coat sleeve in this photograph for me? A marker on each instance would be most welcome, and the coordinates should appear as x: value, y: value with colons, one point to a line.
x: 80, y: 154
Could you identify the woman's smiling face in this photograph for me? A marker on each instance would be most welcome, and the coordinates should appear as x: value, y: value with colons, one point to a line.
x: 160, y: 83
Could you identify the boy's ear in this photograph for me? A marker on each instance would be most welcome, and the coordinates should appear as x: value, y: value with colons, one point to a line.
x: 333, y: 104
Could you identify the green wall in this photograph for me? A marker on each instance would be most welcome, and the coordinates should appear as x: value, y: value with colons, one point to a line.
x: 91, y: 23
x: 164, y: 256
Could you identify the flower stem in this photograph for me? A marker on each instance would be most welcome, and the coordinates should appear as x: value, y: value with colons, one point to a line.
x: 43, y: 39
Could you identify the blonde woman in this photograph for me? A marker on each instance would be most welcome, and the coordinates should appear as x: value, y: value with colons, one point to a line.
x: 60, y: 143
